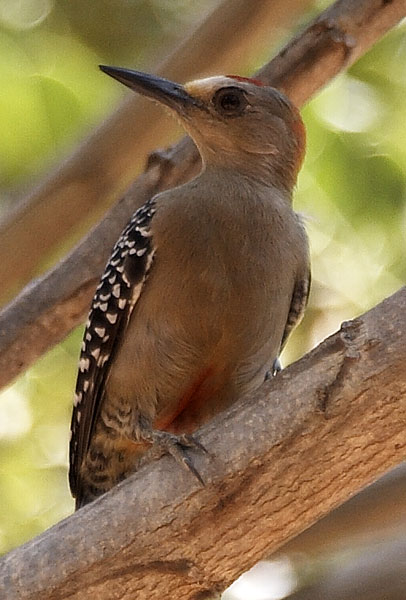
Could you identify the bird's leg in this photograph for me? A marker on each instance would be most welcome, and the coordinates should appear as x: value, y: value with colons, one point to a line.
x: 169, y: 443
x: 276, y: 368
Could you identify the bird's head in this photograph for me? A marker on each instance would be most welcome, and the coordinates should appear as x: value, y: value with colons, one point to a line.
x: 236, y: 122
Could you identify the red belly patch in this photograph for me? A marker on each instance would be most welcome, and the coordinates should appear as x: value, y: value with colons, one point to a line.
x: 190, y: 413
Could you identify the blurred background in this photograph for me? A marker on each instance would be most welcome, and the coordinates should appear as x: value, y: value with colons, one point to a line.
x: 352, y: 191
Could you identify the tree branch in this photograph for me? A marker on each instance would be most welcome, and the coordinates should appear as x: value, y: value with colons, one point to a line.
x: 306, y: 441
x: 108, y: 161
x: 377, y: 512
x: 333, y: 42
x: 50, y: 307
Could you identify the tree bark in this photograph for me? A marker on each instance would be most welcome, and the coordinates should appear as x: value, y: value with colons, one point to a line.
x: 276, y: 463
x: 47, y: 310
x: 377, y: 512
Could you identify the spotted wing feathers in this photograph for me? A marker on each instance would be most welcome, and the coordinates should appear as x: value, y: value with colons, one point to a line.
x: 114, y: 300
x: 298, y: 305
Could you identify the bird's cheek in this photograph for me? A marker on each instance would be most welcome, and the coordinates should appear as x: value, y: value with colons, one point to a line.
x: 258, y: 146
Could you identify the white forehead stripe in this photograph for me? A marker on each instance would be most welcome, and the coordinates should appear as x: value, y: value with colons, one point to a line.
x: 208, y: 83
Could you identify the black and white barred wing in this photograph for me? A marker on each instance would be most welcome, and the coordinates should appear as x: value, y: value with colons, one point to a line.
x: 116, y: 295
x: 298, y: 305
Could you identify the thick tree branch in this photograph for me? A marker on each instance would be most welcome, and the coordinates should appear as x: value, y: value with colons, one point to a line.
x: 103, y: 167
x: 307, y: 441
x: 377, y: 512
x: 48, y: 309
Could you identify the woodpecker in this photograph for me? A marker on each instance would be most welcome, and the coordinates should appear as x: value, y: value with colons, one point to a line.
x: 201, y: 290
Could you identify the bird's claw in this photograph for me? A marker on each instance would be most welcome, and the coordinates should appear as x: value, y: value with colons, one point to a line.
x: 175, y: 446
x: 190, y: 442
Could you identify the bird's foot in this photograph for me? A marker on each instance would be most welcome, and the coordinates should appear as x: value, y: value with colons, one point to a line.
x: 276, y: 368
x: 165, y: 442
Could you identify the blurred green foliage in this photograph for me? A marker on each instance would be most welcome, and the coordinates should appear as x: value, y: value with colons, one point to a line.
x: 351, y: 191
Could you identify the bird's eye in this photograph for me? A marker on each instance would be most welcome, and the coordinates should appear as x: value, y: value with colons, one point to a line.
x: 230, y: 101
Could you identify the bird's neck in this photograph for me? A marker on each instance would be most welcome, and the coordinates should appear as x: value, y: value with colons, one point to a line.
x: 244, y: 181
x: 264, y: 170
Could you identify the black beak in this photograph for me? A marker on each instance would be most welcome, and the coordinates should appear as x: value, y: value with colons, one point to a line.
x: 172, y: 94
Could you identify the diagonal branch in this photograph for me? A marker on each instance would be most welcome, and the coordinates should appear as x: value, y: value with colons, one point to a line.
x: 50, y: 307
x: 377, y: 512
x: 277, y: 462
